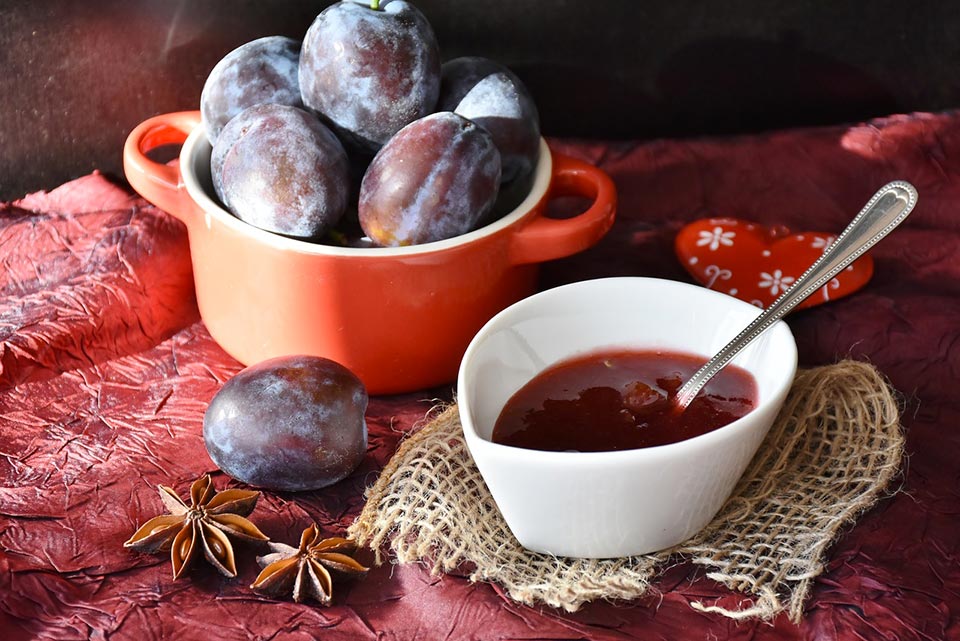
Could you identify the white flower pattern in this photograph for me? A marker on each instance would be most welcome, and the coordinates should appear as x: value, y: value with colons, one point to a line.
x: 776, y: 281
x: 820, y: 242
x: 833, y: 284
x: 714, y: 272
x: 716, y: 238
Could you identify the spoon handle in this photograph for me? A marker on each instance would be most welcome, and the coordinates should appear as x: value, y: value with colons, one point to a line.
x: 879, y: 217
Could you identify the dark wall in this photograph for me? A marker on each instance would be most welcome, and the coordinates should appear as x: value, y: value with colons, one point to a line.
x: 75, y: 76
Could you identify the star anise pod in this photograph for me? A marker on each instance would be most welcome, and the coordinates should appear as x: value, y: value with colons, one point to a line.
x: 306, y: 571
x: 205, y: 523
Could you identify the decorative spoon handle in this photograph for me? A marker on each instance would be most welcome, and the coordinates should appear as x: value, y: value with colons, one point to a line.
x: 879, y: 217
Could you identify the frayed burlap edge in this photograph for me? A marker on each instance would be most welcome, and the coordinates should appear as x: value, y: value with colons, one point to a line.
x: 830, y: 455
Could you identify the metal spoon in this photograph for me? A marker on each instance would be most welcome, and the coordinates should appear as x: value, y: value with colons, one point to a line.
x: 887, y: 209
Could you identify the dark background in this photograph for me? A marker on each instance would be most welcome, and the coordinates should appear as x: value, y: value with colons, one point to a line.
x: 76, y: 77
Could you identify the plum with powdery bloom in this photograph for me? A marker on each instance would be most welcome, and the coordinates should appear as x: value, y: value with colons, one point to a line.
x: 434, y: 180
x: 280, y: 169
x: 263, y: 71
x: 492, y: 96
x: 369, y: 72
x: 288, y: 423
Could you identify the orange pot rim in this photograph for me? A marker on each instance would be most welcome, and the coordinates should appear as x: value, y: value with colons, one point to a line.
x: 197, y: 143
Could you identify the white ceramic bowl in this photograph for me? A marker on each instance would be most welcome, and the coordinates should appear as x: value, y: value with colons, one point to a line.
x: 611, y: 504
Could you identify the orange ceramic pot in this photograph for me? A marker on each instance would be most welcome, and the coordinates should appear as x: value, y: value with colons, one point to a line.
x: 400, y: 318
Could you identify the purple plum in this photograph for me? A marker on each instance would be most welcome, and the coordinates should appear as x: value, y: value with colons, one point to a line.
x: 258, y: 72
x: 433, y: 180
x: 492, y: 96
x: 370, y: 71
x: 282, y: 170
x: 289, y: 423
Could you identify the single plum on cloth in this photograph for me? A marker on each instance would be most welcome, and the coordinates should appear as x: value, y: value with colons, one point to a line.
x: 757, y: 264
x: 830, y: 455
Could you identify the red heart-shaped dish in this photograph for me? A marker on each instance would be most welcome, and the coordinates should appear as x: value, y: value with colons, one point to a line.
x: 756, y: 263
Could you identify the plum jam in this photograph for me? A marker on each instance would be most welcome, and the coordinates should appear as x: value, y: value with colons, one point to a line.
x: 620, y: 400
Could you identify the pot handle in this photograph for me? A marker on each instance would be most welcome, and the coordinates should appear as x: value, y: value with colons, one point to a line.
x: 549, y: 238
x: 159, y: 183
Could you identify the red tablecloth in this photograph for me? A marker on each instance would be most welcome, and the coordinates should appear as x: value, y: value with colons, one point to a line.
x: 105, y: 371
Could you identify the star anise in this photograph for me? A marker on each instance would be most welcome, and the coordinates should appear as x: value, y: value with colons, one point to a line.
x: 202, y: 524
x: 306, y: 571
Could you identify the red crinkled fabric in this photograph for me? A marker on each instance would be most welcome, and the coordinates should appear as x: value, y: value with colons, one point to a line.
x: 106, y: 370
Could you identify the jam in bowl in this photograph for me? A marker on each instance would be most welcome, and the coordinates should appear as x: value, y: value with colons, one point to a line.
x: 620, y: 400
x: 621, y: 501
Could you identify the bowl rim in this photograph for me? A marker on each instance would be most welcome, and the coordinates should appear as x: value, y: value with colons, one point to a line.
x: 652, y: 454
x: 197, y: 144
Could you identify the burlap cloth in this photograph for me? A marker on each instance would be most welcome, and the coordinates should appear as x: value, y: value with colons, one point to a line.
x: 829, y: 456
